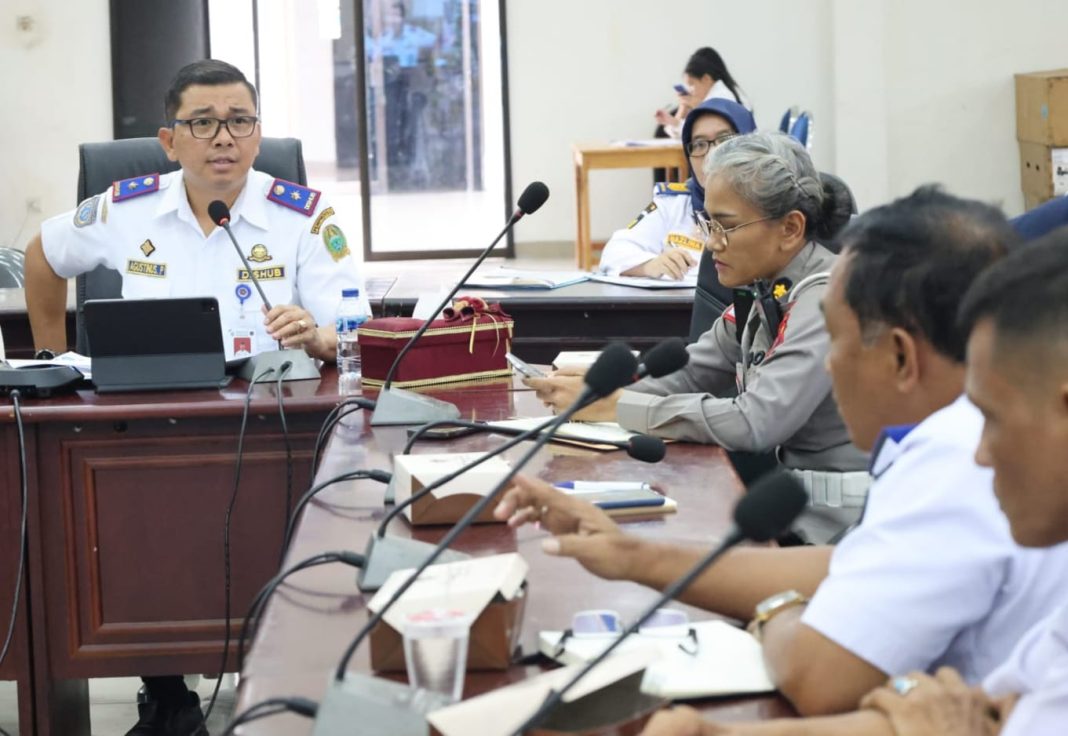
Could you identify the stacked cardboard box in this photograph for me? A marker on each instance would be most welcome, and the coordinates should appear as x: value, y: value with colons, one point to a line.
x: 1042, y: 131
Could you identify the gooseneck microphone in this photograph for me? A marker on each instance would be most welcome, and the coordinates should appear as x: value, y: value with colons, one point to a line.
x: 388, y: 554
x: 764, y: 512
x: 302, y: 366
x: 397, y: 406
x: 614, y: 368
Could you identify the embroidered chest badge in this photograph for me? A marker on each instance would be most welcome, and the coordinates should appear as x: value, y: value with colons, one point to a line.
x: 259, y: 254
x: 335, y: 242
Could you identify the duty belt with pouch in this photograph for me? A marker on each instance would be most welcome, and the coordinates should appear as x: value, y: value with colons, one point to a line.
x: 835, y: 489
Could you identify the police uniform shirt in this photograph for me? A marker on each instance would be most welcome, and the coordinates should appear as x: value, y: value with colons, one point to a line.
x: 292, y: 241
x: 1037, y: 671
x: 668, y: 222
x: 932, y: 576
x: 783, y: 390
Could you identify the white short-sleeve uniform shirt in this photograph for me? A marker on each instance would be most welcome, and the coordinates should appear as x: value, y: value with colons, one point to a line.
x: 1037, y: 671
x: 667, y: 222
x: 296, y: 249
x: 931, y: 576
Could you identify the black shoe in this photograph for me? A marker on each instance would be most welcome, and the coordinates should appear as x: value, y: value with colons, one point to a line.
x: 186, y: 718
x: 151, y: 720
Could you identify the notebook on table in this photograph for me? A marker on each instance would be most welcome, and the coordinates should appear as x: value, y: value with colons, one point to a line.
x: 154, y: 344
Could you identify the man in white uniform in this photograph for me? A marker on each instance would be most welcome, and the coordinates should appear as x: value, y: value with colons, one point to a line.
x: 931, y: 575
x: 156, y: 232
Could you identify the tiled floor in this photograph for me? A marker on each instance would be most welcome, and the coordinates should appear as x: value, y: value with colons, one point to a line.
x: 112, y: 707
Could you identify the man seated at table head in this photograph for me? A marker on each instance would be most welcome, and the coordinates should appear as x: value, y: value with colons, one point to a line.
x: 931, y: 576
x: 1017, y: 377
x: 157, y: 233
x: 155, y: 230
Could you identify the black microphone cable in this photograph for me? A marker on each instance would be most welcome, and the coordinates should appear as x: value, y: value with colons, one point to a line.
x: 285, y: 367
x: 259, y: 602
x: 350, y: 405
x: 16, y: 403
x: 272, y: 707
x: 226, y: 537
x: 380, y: 475
x: 614, y: 368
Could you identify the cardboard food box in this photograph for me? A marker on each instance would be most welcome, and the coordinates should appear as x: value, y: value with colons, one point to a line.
x: 1042, y: 107
x: 469, y: 346
x: 493, y: 589
x: 447, y: 504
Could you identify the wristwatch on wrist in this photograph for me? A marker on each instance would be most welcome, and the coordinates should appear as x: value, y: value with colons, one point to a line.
x: 44, y: 354
x: 771, y: 607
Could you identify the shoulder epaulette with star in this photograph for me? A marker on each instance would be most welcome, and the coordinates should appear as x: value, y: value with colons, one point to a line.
x: 671, y: 188
x: 135, y: 187
x: 294, y: 196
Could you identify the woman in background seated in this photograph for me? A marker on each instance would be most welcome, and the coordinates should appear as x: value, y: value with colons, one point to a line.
x: 705, y: 77
x: 664, y: 240
x: 765, y: 210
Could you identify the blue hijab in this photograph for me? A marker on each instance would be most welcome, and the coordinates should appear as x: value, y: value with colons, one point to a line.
x: 739, y: 118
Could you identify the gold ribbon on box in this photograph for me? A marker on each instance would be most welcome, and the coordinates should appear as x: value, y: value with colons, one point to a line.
x: 475, y: 308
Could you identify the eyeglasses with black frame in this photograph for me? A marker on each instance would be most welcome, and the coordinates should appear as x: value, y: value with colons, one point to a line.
x: 713, y: 231
x: 239, y: 126
x: 701, y: 146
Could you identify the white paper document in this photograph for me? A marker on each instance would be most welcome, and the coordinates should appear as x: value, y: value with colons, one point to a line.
x: 508, y: 278
x: 642, y: 282
x: 726, y: 660
x: 585, y: 431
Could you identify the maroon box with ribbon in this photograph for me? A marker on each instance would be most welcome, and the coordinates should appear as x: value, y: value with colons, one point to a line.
x: 468, y: 343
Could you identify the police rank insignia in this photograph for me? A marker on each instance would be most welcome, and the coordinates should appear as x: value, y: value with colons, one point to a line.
x: 781, y: 288
x: 135, y: 187
x: 335, y: 242
x: 294, y: 196
x: 86, y: 212
x: 671, y: 188
x: 643, y: 213
x: 259, y: 254
x: 147, y: 248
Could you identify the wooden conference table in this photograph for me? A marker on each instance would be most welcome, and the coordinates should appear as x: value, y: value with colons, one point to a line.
x: 311, y: 619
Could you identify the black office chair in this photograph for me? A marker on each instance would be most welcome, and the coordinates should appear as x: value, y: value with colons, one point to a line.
x: 711, y: 297
x: 100, y: 164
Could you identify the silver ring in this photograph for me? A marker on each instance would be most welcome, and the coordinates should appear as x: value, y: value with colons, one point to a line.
x: 904, y: 685
x: 303, y: 325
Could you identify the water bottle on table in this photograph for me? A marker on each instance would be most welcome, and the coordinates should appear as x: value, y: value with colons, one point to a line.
x: 351, y: 314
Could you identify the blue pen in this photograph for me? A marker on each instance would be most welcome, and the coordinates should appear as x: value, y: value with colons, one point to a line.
x: 596, y: 486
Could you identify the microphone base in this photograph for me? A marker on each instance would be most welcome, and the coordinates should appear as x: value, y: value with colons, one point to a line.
x: 385, y: 555
x: 379, y: 707
x: 303, y: 366
x: 395, y: 406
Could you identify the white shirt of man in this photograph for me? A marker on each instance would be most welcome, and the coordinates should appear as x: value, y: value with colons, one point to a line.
x: 296, y: 249
x: 1037, y: 671
x: 932, y: 576
x: 668, y: 222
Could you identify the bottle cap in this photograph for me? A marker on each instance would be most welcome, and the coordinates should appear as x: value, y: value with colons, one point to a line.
x: 349, y: 293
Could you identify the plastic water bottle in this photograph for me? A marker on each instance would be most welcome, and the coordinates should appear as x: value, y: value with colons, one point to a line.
x: 351, y: 314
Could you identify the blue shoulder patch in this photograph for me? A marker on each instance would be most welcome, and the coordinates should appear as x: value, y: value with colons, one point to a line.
x: 668, y: 189
x: 294, y: 196
x: 135, y: 187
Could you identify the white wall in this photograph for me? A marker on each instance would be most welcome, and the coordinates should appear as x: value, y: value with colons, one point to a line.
x: 55, y: 83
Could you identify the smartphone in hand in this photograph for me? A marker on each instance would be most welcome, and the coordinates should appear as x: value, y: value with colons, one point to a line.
x: 681, y: 89
x: 524, y: 368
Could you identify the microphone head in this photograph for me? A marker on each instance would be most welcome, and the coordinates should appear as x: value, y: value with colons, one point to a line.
x: 614, y: 368
x: 664, y: 358
x: 645, y: 448
x: 532, y: 198
x: 769, y: 506
x: 219, y: 212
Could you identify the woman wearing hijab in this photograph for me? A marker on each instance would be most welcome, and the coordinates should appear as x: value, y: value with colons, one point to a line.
x: 664, y: 240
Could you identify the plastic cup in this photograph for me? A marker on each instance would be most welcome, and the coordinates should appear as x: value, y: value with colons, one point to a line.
x: 435, y: 651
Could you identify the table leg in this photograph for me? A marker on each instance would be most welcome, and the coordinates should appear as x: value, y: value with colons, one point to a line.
x: 61, y: 707
x: 583, y: 247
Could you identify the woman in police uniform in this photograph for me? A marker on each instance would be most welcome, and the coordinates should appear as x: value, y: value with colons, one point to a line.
x: 663, y: 240
x: 765, y: 211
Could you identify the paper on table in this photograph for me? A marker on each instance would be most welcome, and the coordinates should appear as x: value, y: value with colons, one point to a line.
x: 504, y: 278
x: 585, y: 431
x: 642, y: 282
x: 467, y: 586
x: 579, y: 358
x: 728, y: 661
x: 70, y: 358
x: 502, y: 711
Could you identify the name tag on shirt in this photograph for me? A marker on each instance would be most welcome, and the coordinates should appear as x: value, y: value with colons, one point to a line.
x: 681, y: 240
x: 146, y: 268
x: 271, y: 273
